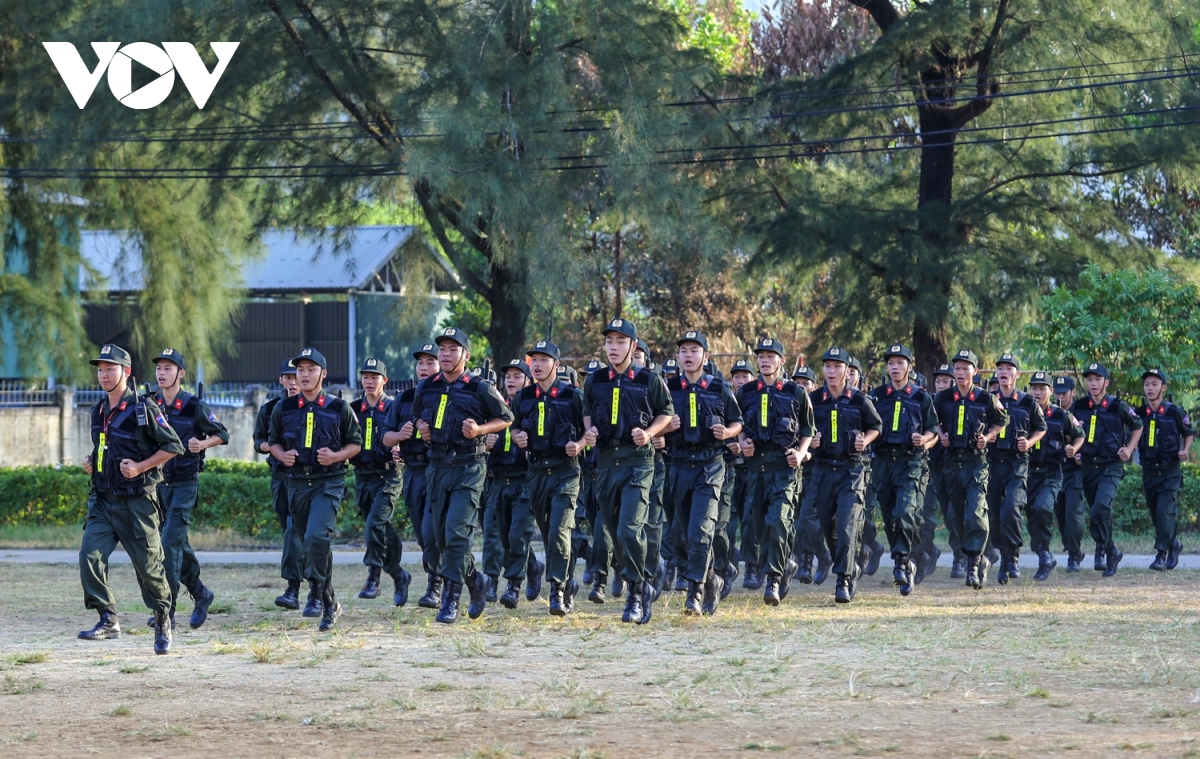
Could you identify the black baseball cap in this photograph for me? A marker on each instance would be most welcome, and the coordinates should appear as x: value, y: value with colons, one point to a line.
x: 373, y: 366
x: 592, y: 367
x: 670, y: 366
x: 1155, y: 373
x: 172, y: 355
x: 1064, y: 384
x: 804, y: 372
x: 944, y: 370
x: 112, y: 354
x: 837, y: 354
x: 547, y: 348
x: 741, y: 365
x: 1041, y: 378
x: 622, y: 327
x: 966, y: 355
x: 519, y: 365
x: 428, y: 349
x: 771, y: 344
x: 313, y: 355
x: 287, y: 368
x: 692, y: 336
x: 896, y: 349
x: 856, y: 364
x: 454, y: 334
x: 1010, y: 359
x: 643, y: 347
x: 1100, y: 370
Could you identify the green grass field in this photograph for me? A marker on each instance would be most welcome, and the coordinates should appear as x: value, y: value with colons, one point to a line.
x: 1078, y: 666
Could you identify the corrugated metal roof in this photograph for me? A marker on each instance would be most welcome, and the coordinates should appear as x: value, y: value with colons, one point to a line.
x: 294, y: 260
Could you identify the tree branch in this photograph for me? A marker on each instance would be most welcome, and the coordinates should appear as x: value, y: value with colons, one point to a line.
x: 985, y: 87
x: 424, y: 195
x: 882, y: 12
x: 1048, y: 174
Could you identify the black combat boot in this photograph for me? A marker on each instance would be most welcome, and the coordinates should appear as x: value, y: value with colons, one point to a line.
x: 433, y: 594
x: 1002, y: 575
x: 401, y: 580
x: 785, y: 580
x: 695, y: 597
x: 533, y: 580
x: 291, y: 597
x: 1160, y: 562
x: 558, y: 607
x: 649, y: 595
x: 664, y: 576
x: 842, y: 594
x: 330, y: 608
x: 977, y: 570
x: 599, y: 581
x: 370, y: 588
x: 312, y: 607
x: 681, y: 582
x: 993, y: 555
x: 202, y: 599
x: 771, y: 590
x: 902, y: 575
x: 714, y: 589
x: 1014, y: 565
x: 569, y: 594
x: 618, y: 587
x: 493, y: 587
x: 1046, y: 565
x: 1101, y: 563
x: 728, y: 578
x: 1173, y: 553
x: 1074, y: 561
x: 106, y: 628
x: 958, y: 570
x: 824, y: 564
x: 477, y: 585
x: 876, y: 556
x: 804, y: 575
x: 449, y: 595
x: 150, y: 621
x: 633, y: 607
x: 162, y: 632
x: 752, y: 581
x: 1114, y: 560
x: 511, y: 595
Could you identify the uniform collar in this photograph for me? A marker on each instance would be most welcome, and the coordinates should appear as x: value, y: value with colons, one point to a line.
x: 321, y: 401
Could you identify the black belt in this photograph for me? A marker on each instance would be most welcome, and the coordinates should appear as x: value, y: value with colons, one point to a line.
x: 374, y: 467
x: 310, y: 471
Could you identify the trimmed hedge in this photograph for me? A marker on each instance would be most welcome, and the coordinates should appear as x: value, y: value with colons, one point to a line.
x: 233, y: 495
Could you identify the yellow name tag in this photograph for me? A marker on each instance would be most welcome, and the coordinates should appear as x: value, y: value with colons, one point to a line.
x: 308, y: 429
x: 542, y: 419
x: 833, y: 426
x: 507, y: 439
x: 370, y: 431
x: 692, y: 409
x: 962, y: 416
x: 441, y: 412
x: 1152, y: 430
x: 896, y: 418
x: 100, y: 451
x: 616, y: 406
x: 1092, y: 429
x: 763, y: 410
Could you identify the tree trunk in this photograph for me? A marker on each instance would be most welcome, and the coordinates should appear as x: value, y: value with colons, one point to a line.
x: 511, y: 303
x: 934, y: 199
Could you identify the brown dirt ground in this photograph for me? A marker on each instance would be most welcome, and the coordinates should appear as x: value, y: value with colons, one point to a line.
x: 1076, y: 667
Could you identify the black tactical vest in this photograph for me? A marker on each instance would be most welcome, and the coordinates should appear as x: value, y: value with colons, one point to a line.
x: 699, y: 405
x: 1161, y: 438
x: 549, y: 418
x: 117, y: 438
x: 964, y: 418
x: 181, y: 415
x: 374, y: 456
x: 445, y: 407
x: 770, y: 413
x: 309, y: 426
x: 839, y: 421
x: 621, y: 403
x: 900, y: 411
x: 1103, y: 429
x: 1051, y: 450
x: 1020, y: 410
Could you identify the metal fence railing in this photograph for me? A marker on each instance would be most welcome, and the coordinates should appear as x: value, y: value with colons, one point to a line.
x: 21, y: 393
x: 217, y: 395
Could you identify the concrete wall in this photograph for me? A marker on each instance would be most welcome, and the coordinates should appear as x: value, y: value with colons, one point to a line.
x: 48, y: 435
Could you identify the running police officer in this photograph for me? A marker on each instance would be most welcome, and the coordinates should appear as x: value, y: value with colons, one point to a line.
x: 1166, y: 443
x: 291, y: 564
x: 378, y: 485
x: 313, y: 435
x: 733, y: 491
x: 1008, y: 466
x: 707, y: 414
x: 400, y: 429
x: 198, y: 430
x: 1105, y: 421
x: 1046, y: 459
x: 935, y: 501
x: 846, y: 424
x: 625, y: 407
x: 1070, y: 510
x: 455, y: 412
x: 549, y: 425
x: 777, y: 428
x: 899, y: 471
x: 968, y: 416
x: 130, y: 441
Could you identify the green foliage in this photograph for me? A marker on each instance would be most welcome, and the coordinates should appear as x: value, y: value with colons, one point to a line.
x: 1128, y: 319
x: 1130, y: 514
x: 233, y: 495
x: 469, y: 311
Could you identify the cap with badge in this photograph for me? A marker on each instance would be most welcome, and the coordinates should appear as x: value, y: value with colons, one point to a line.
x: 943, y: 370
x: 836, y: 354
x: 803, y: 372
x: 592, y: 367
x: 1010, y: 359
x: 288, y: 367
x: 172, y: 355
x: 1064, y: 384
x: 373, y: 366
x: 1041, y: 378
x: 769, y: 344
x: 898, y: 351
x: 313, y: 355
x: 643, y: 347
x: 454, y: 335
x: 670, y: 367
x: 694, y: 337
x: 967, y: 356
x: 621, y: 327
x: 1100, y: 370
x: 519, y: 365
x: 741, y: 365
x: 546, y: 348
x: 1155, y: 373
x: 112, y: 354
x: 856, y: 364
x: 428, y: 349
